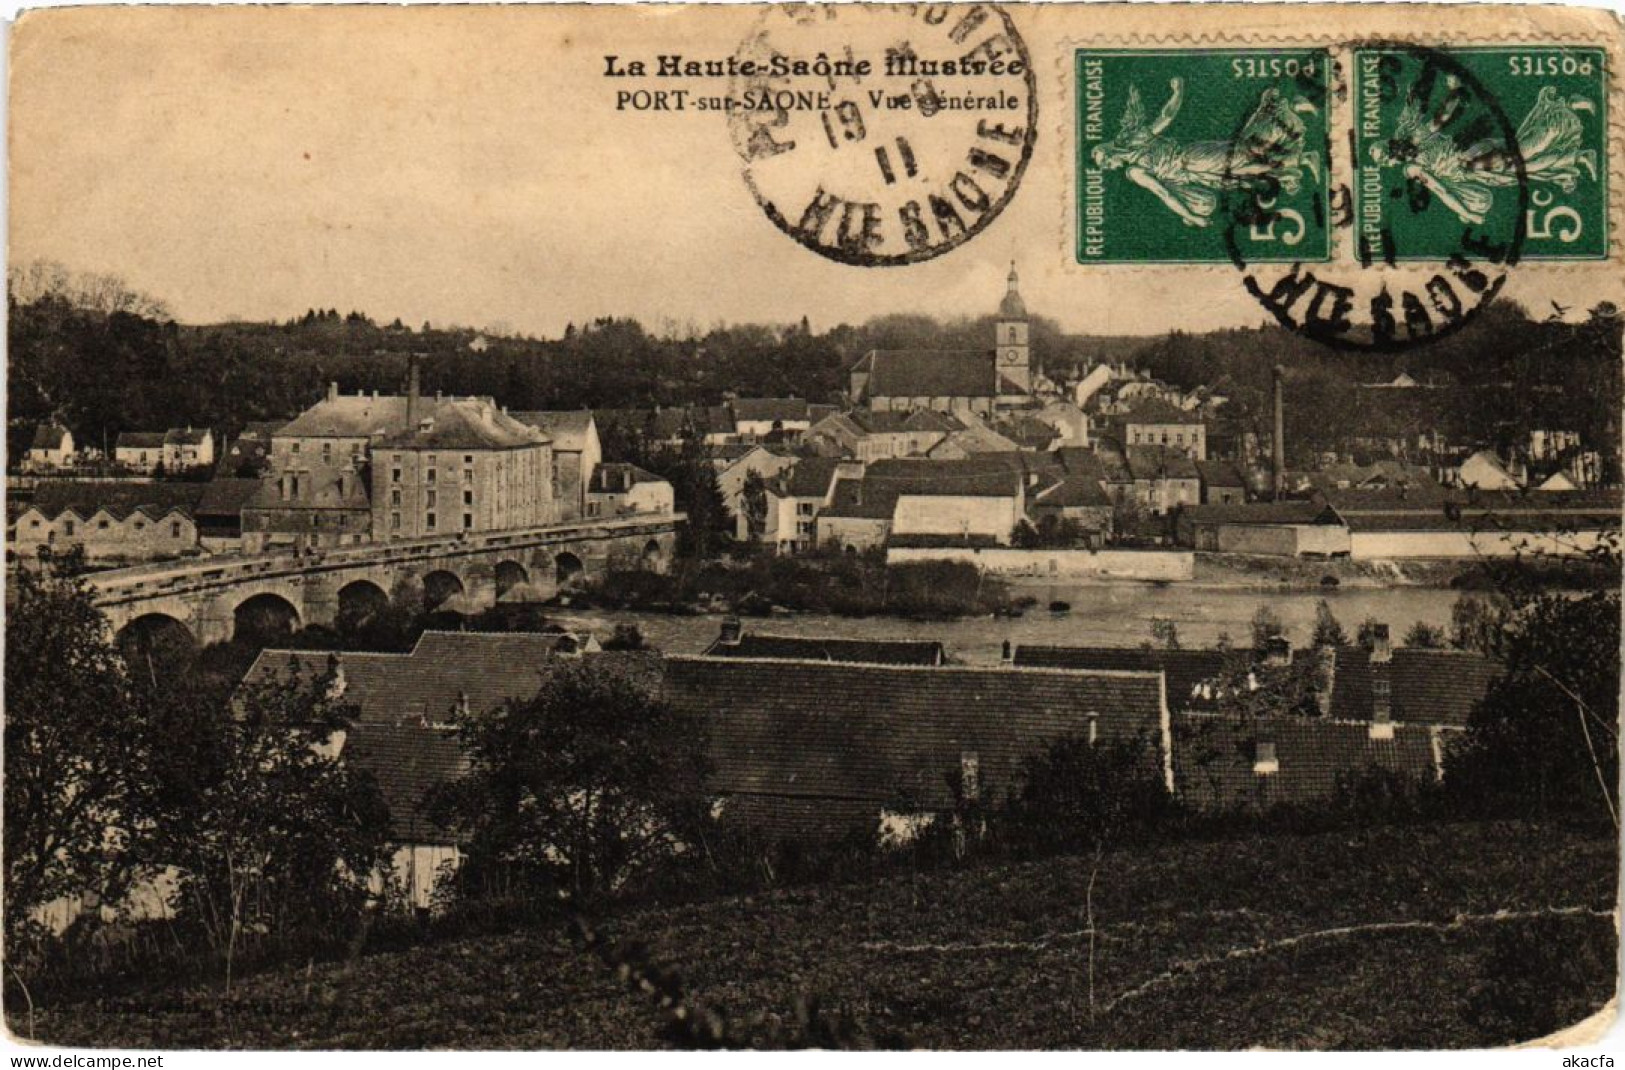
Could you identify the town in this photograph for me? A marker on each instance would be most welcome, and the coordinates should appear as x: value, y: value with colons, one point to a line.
x: 402, y: 565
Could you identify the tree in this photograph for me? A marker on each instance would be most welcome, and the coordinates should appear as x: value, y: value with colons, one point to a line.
x: 592, y: 785
x: 281, y: 836
x: 1426, y: 636
x: 1480, y: 623
x: 1366, y: 637
x: 753, y: 498
x: 75, y: 745
x: 1266, y: 625
x: 1328, y: 632
x: 1164, y: 633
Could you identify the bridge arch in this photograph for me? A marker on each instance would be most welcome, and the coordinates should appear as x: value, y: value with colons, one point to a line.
x: 653, y: 556
x: 266, y: 617
x: 155, y: 638
x: 568, y: 570
x: 439, y: 587
x: 510, y: 574
x: 361, y: 601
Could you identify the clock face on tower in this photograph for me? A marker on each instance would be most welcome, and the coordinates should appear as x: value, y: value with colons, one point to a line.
x: 1009, y: 356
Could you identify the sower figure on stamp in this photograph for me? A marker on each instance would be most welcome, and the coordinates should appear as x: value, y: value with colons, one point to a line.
x: 1466, y: 179
x: 1189, y: 178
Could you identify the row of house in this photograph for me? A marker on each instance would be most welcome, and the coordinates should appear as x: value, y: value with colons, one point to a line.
x: 179, y: 449
x: 813, y: 738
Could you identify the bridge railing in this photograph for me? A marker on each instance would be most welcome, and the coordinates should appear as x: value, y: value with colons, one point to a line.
x: 163, y: 577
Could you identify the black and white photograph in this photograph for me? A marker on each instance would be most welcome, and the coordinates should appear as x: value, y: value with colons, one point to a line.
x: 962, y: 527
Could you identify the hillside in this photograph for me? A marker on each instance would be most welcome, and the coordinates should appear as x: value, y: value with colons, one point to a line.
x: 1421, y: 936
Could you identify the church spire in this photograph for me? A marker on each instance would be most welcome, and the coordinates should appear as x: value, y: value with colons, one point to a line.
x: 1012, y: 307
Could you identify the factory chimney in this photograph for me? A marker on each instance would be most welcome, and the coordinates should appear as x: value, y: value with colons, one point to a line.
x: 1279, y: 442
x: 411, y: 390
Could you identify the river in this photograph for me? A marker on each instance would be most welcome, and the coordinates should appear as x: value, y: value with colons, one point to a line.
x: 1102, y: 614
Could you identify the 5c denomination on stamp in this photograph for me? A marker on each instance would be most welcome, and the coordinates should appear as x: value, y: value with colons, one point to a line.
x: 883, y: 135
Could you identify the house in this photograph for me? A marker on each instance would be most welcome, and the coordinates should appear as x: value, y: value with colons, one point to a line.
x: 1069, y: 421
x: 1152, y: 421
x: 465, y: 466
x: 814, y: 750
x: 140, y: 451
x: 51, y: 448
x: 186, y: 448
x: 1222, y: 483
x: 219, y: 512
x: 734, y: 642
x: 924, y: 502
x: 114, y: 521
x: 404, y: 707
x: 250, y: 452
x: 1387, y: 525
x: 1485, y: 471
x: 867, y: 435
x: 795, y: 498
x: 1077, y: 498
x: 1279, y: 529
x: 955, y: 380
x: 306, y: 508
x: 972, y: 437
x: 1164, y: 477
x: 620, y: 489
x: 577, y: 452
x: 735, y: 465
x: 771, y: 419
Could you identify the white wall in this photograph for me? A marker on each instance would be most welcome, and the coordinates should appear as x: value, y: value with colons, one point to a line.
x: 954, y: 515
x: 1171, y: 565
x: 1382, y: 545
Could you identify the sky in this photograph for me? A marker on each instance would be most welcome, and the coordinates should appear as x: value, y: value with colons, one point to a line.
x: 469, y: 166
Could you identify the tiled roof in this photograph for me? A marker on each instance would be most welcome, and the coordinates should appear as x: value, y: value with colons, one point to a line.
x: 931, y: 373
x: 226, y: 497
x: 1189, y: 672
x: 1214, y: 758
x: 408, y: 762
x: 119, y: 497
x: 570, y: 431
x: 810, y: 477
x: 48, y: 437
x: 1220, y: 474
x: 1160, y: 462
x: 852, y: 500
x: 813, y: 648
x: 1288, y: 512
x: 139, y: 440
x: 1156, y: 412
x: 356, y: 416
x: 465, y: 424
x: 1433, y: 687
x: 619, y: 477
x: 770, y: 409
x: 485, y: 668
x: 1073, y: 492
x: 889, y: 736
x: 185, y: 436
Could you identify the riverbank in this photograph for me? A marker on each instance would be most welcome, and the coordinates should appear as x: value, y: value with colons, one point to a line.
x: 1274, y: 573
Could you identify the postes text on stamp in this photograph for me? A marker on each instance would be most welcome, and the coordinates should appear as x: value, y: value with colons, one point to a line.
x: 1430, y: 169
x: 1175, y: 146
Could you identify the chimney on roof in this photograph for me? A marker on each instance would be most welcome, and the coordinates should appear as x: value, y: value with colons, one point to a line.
x: 1277, y: 651
x: 412, y: 387
x: 332, y: 391
x: 732, y: 631
x: 1382, y: 648
x: 1007, y: 654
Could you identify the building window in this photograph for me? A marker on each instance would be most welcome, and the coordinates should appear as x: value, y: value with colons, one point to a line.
x: 101, y: 525
x: 428, y: 521
x: 394, y: 475
x: 395, y: 497
x: 313, y: 519
x: 395, y: 521
x: 468, y: 521
x: 468, y: 458
x: 468, y: 476
x: 428, y: 458
x: 67, y: 527
x: 33, y: 523
x: 468, y: 497
x: 327, y: 453
x: 174, y: 529
x: 428, y: 477
x: 430, y: 504
x: 291, y: 449
x: 140, y: 525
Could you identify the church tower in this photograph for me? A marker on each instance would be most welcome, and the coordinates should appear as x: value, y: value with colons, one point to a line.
x: 1013, y: 360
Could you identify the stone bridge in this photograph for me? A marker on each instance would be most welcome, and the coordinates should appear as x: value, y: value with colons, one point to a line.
x: 465, y: 574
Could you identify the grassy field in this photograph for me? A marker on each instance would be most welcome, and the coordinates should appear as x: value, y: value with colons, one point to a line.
x: 1429, y: 936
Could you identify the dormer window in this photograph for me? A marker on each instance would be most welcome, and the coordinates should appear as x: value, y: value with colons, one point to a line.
x: 1264, y: 760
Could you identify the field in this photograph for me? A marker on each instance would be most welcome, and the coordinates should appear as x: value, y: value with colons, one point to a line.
x: 1446, y: 935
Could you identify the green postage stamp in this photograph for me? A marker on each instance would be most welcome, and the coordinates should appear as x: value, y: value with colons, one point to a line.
x: 1198, y: 155
x: 1432, y: 166
x: 1375, y: 151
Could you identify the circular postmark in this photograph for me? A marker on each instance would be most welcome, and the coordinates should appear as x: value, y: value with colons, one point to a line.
x: 1436, y: 215
x: 883, y: 135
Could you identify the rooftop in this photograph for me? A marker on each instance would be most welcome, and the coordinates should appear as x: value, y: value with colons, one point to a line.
x: 830, y: 648
x: 570, y: 431
x: 85, y: 497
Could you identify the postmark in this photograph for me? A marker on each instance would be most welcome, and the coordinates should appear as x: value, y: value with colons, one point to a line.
x: 1175, y: 143
x: 884, y: 135
x: 1421, y: 182
x: 1444, y: 114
